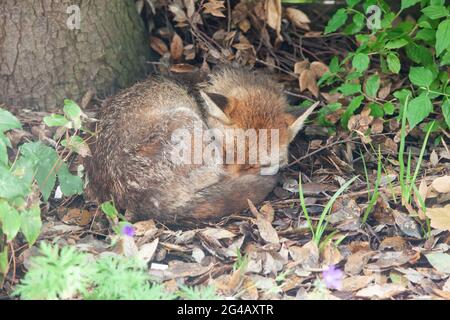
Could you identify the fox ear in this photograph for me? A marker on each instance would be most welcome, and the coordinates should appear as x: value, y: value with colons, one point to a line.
x: 297, y: 125
x: 215, y: 104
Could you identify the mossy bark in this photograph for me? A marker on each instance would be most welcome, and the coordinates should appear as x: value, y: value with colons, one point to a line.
x: 43, y: 61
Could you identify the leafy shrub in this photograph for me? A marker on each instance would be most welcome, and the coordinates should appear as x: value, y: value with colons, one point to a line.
x: 416, y: 49
x: 33, y: 172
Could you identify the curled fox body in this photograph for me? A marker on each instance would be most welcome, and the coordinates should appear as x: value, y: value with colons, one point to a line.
x: 132, y: 159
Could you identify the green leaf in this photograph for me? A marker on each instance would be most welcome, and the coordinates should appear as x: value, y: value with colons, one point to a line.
x: 337, y: 21
x: 8, y: 121
x: 352, y: 3
x: 361, y: 62
x: 393, y: 63
x: 427, y: 35
x: 440, y: 261
x: 418, y: 109
x: 419, y: 54
x: 110, y: 210
x: 10, y: 186
x: 31, y: 224
x: 352, y: 107
x: 435, y: 12
x: 446, y: 111
x: 389, y: 108
x: 71, y: 109
x: 349, y: 89
x: 396, y: 44
x: 408, y: 3
x: 10, y: 220
x: 372, y: 86
x: 445, y: 60
x: 442, y: 37
x: 420, y: 76
x: 56, y: 120
x: 376, y: 110
x: 47, y: 164
x: 4, y: 260
x: 3, y: 149
x: 70, y: 184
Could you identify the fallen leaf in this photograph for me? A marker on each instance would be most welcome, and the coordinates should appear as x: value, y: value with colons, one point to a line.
x: 273, y: 15
x: 440, y: 261
x: 441, y: 184
x: 319, y: 68
x: 147, y: 251
x: 218, y: 233
x: 440, y: 217
x: 434, y: 158
x: 308, y: 81
x: 407, y: 224
x: 297, y: 17
x: 396, y: 243
x: 356, y: 262
x: 158, y: 45
x: 331, y: 255
x: 307, y: 256
x: 214, y: 7
x: 266, y: 230
x: 384, y: 291
x: 355, y: 283
x: 176, y: 47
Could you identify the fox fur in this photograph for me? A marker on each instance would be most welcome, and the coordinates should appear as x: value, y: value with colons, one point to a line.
x: 131, y: 163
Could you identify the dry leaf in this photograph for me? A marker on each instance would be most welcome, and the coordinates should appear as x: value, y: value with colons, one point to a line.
x: 183, y: 68
x: 300, y: 66
x: 384, y: 291
x: 176, y: 47
x: 214, y: 7
x: 407, y: 224
x: 308, y: 81
x: 266, y: 230
x: 319, y: 68
x: 356, y: 262
x: 273, y: 15
x: 308, y: 255
x: 331, y: 255
x: 434, y: 158
x: 158, y: 45
x: 396, y: 243
x: 356, y: 283
x: 147, y: 251
x: 441, y: 184
x: 439, y: 217
x: 297, y: 17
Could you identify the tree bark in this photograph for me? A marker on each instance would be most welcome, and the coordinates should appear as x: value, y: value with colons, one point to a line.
x: 43, y: 61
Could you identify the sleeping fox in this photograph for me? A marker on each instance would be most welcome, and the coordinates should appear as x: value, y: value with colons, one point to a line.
x: 164, y: 152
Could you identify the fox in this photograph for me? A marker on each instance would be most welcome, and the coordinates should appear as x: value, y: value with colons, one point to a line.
x: 135, y: 157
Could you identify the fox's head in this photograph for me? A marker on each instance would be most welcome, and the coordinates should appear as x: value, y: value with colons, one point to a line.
x: 249, y: 109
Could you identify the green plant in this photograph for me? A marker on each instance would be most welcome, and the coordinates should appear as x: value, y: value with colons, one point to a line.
x: 65, y: 273
x: 318, y: 230
x: 425, y: 44
x: 35, y: 169
x: 56, y: 274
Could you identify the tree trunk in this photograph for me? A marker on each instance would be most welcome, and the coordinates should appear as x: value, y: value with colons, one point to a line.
x: 45, y: 57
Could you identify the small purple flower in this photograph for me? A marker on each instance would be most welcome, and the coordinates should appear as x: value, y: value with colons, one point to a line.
x: 333, y: 277
x: 128, y: 230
